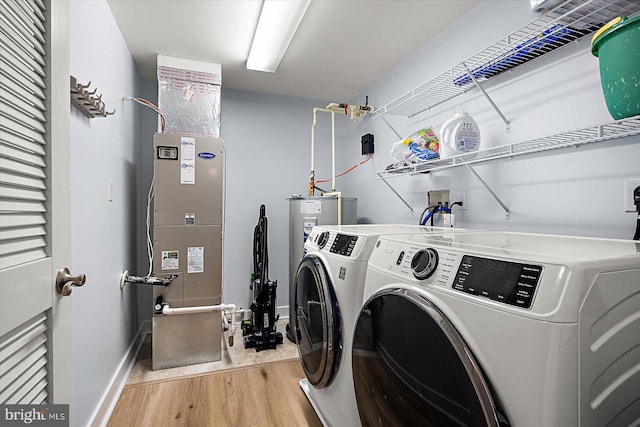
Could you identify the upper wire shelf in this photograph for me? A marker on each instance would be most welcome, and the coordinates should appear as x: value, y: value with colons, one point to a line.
x: 603, y: 132
x: 570, y: 21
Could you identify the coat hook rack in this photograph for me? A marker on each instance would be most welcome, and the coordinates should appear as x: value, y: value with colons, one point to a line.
x: 86, y: 101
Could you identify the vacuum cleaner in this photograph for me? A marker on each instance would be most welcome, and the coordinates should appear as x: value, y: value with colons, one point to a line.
x: 636, y: 201
x: 260, y: 330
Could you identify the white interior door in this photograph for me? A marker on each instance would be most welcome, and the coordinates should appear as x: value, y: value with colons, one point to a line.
x: 35, y: 321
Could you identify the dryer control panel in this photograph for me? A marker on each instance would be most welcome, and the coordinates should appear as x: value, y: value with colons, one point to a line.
x: 508, y: 282
x: 353, y: 246
x: 343, y: 244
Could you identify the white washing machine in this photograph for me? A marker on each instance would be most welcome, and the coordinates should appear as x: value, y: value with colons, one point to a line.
x: 328, y: 296
x: 498, y: 329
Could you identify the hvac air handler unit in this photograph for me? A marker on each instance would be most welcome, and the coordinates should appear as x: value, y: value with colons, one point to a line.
x: 187, y: 246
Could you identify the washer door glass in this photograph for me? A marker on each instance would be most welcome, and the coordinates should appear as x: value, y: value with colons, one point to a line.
x: 318, y: 333
x: 410, y: 367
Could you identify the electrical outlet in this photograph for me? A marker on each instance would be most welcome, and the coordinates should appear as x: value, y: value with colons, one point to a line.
x: 438, y: 196
x: 630, y: 184
x: 460, y: 196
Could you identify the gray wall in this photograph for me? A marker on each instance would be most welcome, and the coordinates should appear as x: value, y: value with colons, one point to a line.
x: 267, y: 141
x: 571, y: 191
x: 102, y: 232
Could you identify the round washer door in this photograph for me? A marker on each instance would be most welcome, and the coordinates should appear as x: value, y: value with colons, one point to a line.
x: 411, y: 367
x: 318, y: 329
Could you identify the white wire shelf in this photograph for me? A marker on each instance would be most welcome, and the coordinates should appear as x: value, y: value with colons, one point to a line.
x: 571, y: 20
x: 598, y: 133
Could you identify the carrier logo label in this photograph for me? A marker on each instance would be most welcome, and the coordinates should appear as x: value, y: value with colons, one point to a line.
x: 206, y: 155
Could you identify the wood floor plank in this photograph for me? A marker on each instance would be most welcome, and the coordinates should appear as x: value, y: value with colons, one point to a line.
x: 264, y: 395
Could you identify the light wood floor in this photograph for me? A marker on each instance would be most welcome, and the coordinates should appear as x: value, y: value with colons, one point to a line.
x: 263, y: 395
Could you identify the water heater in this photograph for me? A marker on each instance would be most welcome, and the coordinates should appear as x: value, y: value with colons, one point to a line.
x: 187, y: 246
x: 304, y: 214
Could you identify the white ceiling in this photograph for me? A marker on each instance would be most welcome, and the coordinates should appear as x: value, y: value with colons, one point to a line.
x: 340, y: 48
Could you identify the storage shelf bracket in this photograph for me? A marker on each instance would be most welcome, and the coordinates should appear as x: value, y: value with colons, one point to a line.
x: 495, y: 196
x: 396, y: 193
x: 385, y: 181
x: 486, y: 95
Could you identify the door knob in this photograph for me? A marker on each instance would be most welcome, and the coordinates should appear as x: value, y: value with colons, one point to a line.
x: 64, y: 281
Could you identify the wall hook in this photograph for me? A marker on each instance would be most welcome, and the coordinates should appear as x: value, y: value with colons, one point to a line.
x: 86, y: 101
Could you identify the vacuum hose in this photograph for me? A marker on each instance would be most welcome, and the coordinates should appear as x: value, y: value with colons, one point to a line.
x: 260, y: 252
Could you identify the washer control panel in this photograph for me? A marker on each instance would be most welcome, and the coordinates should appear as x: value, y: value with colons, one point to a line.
x: 508, y: 282
x: 429, y: 265
x: 322, y: 239
x: 343, y: 244
x: 424, y: 263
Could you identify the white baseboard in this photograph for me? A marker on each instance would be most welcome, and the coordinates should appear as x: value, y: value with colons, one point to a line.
x: 283, y: 311
x: 112, y: 393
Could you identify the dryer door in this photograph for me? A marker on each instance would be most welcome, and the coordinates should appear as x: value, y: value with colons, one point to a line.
x: 318, y: 329
x: 411, y: 367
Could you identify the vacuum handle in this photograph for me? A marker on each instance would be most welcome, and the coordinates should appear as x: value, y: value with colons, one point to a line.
x: 636, y: 201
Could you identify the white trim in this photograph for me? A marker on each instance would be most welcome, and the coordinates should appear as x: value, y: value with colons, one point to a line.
x: 110, y: 397
x: 59, y: 209
x: 283, y: 312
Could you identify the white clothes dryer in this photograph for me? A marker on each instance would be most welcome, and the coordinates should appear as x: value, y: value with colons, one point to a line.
x: 328, y: 295
x: 498, y: 329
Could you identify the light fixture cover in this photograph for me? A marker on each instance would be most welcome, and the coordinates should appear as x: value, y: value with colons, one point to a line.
x: 279, y: 20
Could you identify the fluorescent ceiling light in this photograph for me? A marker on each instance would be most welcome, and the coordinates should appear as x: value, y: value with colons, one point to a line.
x: 278, y: 22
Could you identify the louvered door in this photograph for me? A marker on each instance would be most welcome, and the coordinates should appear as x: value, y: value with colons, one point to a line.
x: 34, y: 201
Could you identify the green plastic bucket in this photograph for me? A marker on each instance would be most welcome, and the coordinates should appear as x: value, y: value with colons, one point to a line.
x: 617, y: 44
